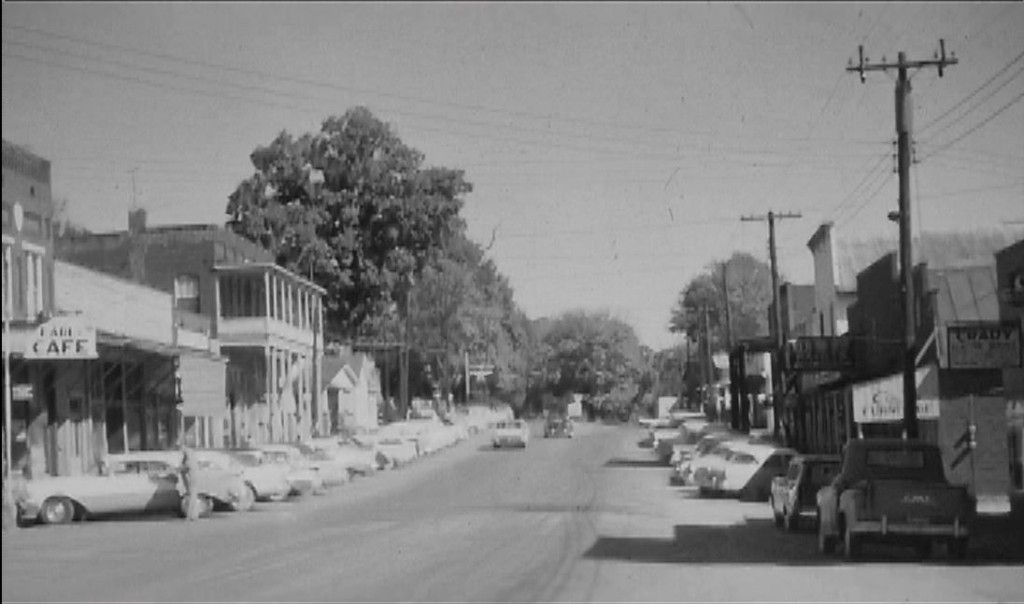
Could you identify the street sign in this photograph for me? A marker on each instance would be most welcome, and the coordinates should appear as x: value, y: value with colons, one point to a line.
x: 983, y: 345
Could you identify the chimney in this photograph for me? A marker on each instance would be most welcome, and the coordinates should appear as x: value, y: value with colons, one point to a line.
x: 137, y: 245
x: 136, y: 221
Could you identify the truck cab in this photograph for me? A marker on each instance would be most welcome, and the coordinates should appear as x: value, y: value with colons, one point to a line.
x: 893, y: 490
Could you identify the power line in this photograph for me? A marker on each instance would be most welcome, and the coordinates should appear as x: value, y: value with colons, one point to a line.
x: 264, y: 75
x: 976, y: 127
x: 975, y: 106
x: 1001, y: 70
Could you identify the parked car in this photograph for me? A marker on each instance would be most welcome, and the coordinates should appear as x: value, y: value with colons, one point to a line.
x: 268, y: 481
x: 793, y: 496
x: 355, y: 457
x: 63, y: 499
x: 514, y: 433
x: 302, y: 477
x: 557, y: 425
x: 894, y: 490
x: 746, y: 471
x: 218, y: 487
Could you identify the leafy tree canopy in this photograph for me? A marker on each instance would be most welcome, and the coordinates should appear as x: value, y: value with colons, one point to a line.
x: 352, y: 207
x: 749, y: 293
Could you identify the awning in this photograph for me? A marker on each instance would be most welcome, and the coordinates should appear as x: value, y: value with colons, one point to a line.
x: 104, y: 338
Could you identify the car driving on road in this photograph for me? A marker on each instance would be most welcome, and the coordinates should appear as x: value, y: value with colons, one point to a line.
x: 511, y: 433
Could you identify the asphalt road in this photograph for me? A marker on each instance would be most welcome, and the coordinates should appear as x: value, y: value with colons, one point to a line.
x: 587, y: 519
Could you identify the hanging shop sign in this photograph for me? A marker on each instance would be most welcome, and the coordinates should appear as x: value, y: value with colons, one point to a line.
x: 881, y: 401
x: 983, y: 345
x: 68, y: 337
x: 819, y: 353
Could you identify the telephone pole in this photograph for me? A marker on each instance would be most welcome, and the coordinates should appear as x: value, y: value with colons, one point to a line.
x: 776, y: 317
x: 904, y: 127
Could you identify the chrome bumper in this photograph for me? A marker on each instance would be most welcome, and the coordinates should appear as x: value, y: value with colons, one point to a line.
x: 885, y: 527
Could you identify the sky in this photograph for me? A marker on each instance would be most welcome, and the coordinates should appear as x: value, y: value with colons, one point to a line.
x: 613, y: 147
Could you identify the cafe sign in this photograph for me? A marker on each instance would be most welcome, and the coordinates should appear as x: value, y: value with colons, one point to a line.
x: 68, y: 337
x: 881, y: 401
x: 988, y: 345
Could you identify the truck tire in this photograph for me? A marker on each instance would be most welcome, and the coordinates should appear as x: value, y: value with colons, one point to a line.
x: 826, y: 543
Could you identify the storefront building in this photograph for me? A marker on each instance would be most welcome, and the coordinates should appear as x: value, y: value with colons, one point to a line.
x: 267, y: 322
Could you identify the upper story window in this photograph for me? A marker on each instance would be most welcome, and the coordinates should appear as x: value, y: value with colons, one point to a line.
x: 186, y: 293
x: 33, y: 283
x: 33, y: 225
x: 7, y: 284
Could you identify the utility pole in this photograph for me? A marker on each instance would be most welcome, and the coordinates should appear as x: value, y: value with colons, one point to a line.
x: 776, y: 317
x: 709, y: 361
x: 728, y: 317
x: 904, y: 127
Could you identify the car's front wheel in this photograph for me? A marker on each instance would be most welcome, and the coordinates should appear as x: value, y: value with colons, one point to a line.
x: 245, y: 501
x: 57, y: 510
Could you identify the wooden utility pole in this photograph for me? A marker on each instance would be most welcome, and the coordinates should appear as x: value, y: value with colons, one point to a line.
x: 776, y: 317
x: 725, y: 295
x: 904, y: 127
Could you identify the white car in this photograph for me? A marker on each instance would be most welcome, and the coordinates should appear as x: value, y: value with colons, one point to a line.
x: 62, y: 499
x: 748, y: 470
x: 356, y: 458
x: 218, y: 486
x: 269, y: 482
x: 515, y: 433
x: 301, y: 475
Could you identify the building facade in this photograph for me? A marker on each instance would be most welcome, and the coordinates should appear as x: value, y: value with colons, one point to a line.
x: 267, y: 322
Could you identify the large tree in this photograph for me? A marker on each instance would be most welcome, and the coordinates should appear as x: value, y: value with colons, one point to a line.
x: 749, y: 285
x: 355, y: 209
x: 593, y: 353
x: 461, y: 305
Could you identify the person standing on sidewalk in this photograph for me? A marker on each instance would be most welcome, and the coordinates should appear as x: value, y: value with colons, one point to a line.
x: 188, y: 480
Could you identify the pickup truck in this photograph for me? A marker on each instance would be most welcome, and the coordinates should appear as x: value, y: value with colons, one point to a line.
x: 793, y: 495
x: 893, y: 490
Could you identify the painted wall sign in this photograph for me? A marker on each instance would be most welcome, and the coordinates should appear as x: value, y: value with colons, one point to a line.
x: 989, y: 345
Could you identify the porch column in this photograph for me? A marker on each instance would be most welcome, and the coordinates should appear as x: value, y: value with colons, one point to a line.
x: 266, y: 295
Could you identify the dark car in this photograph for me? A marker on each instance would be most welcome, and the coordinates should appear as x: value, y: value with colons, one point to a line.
x: 556, y: 426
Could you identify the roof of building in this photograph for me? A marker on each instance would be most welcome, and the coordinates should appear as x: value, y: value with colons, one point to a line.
x: 966, y: 293
x: 938, y: 250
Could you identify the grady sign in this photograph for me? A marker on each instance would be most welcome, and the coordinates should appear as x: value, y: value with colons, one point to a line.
x: 62, y: 338
x: 983, y: 345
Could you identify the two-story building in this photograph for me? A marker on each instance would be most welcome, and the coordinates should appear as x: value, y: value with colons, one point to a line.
x: 93, y: 364
x: 266, y: 320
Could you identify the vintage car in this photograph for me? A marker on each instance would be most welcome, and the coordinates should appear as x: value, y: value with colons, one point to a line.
x: 558, y: 425
x: 302, y: 475
x: 219, y: 486
x: 118, y: 489
x: 514, y: 433
x: 793, y: 495
x: 355, y: 457
x: 746, y: 471
x: 268, y: 481
x: 894, y: 490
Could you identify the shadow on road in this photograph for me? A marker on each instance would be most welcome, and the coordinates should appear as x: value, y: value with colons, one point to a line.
x: 758, y: 541
x: 620, y: 462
